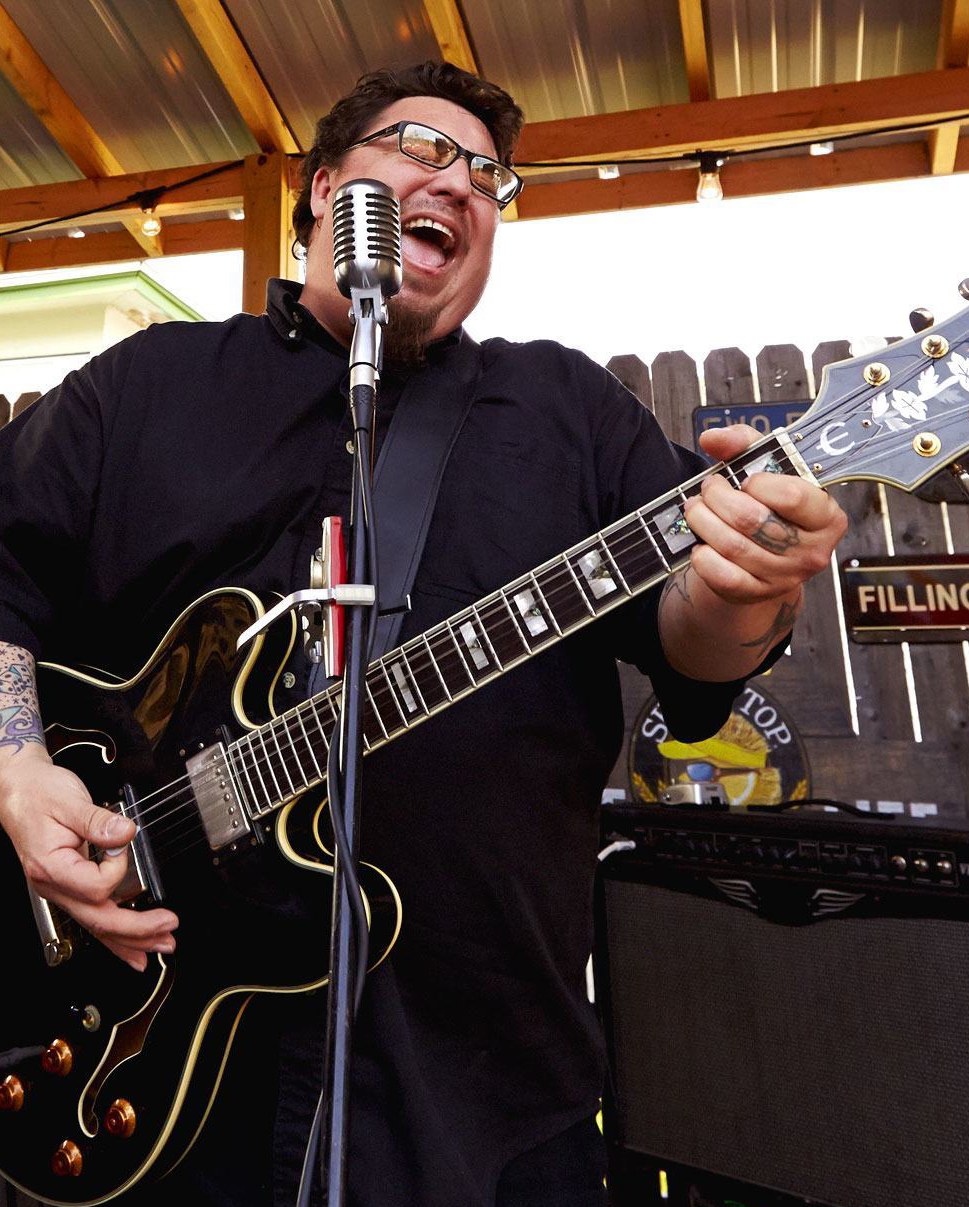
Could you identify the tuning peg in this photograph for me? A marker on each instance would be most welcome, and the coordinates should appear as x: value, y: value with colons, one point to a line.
x: 920, y: 319
x: 964, y: 288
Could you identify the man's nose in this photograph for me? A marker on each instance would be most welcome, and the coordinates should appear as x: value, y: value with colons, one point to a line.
x: 453, y: 181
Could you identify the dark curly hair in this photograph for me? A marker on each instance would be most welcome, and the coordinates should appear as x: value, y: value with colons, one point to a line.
x: 348, y: 118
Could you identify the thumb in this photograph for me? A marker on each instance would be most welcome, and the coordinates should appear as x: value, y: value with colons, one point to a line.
x: 108, y: 830
x: 726, y: 442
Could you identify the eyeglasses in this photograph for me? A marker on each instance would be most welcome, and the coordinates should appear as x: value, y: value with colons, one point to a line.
x: 437, y: 150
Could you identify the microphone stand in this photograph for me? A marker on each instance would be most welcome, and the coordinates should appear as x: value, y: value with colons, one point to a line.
x: 369, y: 314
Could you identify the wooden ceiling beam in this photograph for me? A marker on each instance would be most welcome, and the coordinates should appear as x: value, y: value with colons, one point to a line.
x: 953, y: 52
x: 45, y: 202
x: 35, y: 84
x: 693, y: 28
x: 223, y: 46
x: 181, y: 238
x: 763, y: 119
x: 741, y: 178
x: 451, y: 32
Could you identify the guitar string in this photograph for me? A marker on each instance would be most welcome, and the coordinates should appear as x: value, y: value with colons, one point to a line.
x: 419, y: 661
x: 417, y: 654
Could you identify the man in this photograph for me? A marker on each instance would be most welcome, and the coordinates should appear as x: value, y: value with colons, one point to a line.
x: 192, y: 457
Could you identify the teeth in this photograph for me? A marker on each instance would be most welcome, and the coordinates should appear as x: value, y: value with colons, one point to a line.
x: 430, y: 224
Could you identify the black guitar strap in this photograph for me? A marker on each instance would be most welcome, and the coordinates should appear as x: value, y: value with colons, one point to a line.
x: 429, y: 415
x: 427, y: 419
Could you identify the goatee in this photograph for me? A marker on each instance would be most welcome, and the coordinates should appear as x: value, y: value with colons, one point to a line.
x: 407, y: 333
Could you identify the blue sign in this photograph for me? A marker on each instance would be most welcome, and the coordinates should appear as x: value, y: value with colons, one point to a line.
x: 764, y: 416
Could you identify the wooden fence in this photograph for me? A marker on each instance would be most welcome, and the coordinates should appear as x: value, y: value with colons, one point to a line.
x: 910, y: 703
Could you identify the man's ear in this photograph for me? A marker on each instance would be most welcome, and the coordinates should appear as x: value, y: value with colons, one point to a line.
x: 320, y: 192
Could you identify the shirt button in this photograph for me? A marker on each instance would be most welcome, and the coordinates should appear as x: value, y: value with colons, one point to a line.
x: 289, y: 679
x: 349, y: 447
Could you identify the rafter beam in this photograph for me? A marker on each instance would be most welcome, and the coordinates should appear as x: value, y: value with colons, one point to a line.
x: 220, y: 40
x: 743, y: 178
x: 693, y: 28
x: 27, y: 73
x: 953, y: 52
x: 45, y: 202
x: 181, y: 238
x: 763, y: 119
x: 451, y: 31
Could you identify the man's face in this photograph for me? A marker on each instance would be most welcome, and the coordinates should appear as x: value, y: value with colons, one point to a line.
x: 445, y: 271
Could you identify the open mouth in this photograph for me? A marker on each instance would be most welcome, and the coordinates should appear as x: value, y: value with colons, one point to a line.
x: 427, y: 243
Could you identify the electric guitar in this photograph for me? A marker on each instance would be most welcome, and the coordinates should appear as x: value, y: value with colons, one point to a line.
x: 107, y: 1075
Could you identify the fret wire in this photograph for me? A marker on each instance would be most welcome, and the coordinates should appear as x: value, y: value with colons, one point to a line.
x: 373, y: 705
x: 653, y: 541
x: 231, y: 753
x: 309, y: 746
x: 456, y: 644
x: 413, y: 679
x: 280, y: 795
x: 585, y: 599
x: 255, y: 767
x: 282, y: 757
x: 319, y: 724
x: 484, y: 633
x: 514, y: 621
x: 612, y: 562
x: 548, y: 609
x: 299, y: 761
x: 731, y: 475
x: 430, y: 654
x: 394, y: 695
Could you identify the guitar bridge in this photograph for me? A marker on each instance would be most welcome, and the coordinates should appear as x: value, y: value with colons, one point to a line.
x: 221, y: 811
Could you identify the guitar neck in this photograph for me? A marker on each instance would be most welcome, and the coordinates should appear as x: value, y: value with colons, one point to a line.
x: 454, y: 658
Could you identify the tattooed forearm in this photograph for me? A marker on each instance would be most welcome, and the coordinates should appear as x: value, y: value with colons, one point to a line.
x: 679, y: 583
x: 19, y: 711
x: 776, y: 535
x: 782, y: 623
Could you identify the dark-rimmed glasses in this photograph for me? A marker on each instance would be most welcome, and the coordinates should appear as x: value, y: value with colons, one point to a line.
x: 437, y: 150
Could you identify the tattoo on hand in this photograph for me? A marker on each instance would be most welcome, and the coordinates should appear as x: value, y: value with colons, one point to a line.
x: 776, y: 535
x: 678, y: 583
x: 782, y: 623
x: 20, y: 721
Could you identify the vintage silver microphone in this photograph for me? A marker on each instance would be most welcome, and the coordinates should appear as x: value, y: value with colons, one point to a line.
x: 368, y: 266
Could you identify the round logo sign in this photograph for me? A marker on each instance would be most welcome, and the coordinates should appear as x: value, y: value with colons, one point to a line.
x: 757, y: 758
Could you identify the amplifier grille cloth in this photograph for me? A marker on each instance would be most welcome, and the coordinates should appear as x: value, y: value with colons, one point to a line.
x: 828, y: 1061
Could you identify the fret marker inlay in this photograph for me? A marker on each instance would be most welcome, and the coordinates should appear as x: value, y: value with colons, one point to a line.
x: 675, y: 530
x: 531, y: 613
x: 767, y: 464
x: 597, y: 573
x: 405, y: 692
x: 478, y: 656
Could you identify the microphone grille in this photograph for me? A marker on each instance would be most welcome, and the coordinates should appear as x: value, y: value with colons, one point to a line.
x: 366, y: 237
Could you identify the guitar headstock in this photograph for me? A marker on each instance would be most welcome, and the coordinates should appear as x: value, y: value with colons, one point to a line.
x: 896, y: 416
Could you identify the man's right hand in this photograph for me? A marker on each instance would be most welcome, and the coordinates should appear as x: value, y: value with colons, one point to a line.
x: 50, y: 818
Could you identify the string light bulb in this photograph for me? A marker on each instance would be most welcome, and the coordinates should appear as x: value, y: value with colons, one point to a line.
x: 709, y: 187
x: 150, y: 225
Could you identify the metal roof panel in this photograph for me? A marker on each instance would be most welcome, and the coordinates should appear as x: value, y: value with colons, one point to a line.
x: 568, y: 58
x: 312, y: 52
x: 136, y: 73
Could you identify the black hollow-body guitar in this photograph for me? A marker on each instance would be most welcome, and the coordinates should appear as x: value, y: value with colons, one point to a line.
x: 107, y: 1075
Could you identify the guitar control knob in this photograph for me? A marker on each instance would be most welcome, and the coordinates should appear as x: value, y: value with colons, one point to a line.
x: 11, y: 1093
x: 944, y: 867
x: 67, y: 1161
x: 120, y: 1118
x: 899, y: 863
x: 58, y: 1059
x: 921, y: 864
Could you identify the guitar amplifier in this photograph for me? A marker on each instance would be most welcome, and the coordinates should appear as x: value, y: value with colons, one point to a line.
x: 786, y: 1006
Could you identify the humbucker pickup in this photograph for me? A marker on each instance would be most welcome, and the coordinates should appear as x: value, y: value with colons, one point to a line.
x: 221, y: 811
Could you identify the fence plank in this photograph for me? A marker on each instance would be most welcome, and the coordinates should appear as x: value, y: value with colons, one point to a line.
x: 634, y: 375
x: 676, y: 391
x: 781, y: 374
x: 728, y: 378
